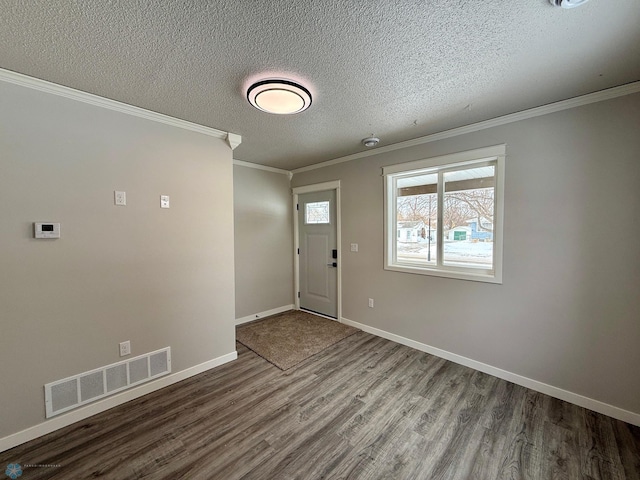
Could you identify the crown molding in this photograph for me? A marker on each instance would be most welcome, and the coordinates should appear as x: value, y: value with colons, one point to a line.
x: 233, y: 140
x: 595, y: 97
x: 73, y: 94
x: 261, y: 167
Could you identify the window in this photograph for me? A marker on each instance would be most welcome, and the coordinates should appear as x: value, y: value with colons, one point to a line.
x: 450, y: 209
x: 316, y: 213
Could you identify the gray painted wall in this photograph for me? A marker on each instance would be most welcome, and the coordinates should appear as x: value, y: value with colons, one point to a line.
x: 263, y: 240
x: 568, y: 311
x: 155, y: 277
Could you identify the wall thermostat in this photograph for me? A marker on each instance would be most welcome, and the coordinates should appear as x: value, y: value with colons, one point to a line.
x: 46, y: 230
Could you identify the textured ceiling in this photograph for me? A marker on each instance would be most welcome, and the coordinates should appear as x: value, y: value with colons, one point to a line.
x: 399, y: 69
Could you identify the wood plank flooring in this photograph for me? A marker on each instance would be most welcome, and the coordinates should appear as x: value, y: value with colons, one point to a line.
x: 366, y: 408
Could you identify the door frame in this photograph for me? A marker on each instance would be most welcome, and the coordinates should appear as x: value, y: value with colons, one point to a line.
x: 318, y: 187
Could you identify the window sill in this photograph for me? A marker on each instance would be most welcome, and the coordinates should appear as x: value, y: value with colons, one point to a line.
x: 474, y: 277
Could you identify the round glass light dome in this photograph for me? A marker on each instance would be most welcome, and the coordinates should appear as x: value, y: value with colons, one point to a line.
x: 282, y: 97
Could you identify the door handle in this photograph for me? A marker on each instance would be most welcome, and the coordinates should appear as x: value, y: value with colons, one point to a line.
x: 334, y: 264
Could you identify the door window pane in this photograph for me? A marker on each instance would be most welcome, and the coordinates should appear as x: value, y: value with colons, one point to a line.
x: 317, y: 213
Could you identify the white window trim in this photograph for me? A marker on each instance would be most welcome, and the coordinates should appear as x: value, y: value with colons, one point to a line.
x: 496, y: 152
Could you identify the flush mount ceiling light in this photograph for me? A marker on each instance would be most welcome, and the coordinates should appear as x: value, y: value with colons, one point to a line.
x: 370, y: 141
x: 568, y: 3
x: 282, y: 97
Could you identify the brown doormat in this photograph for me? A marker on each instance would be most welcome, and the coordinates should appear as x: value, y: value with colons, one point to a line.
x: 289, y: 338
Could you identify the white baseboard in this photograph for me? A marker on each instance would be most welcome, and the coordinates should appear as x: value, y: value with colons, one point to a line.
x: 74, y: 416
x: 571, y: 397
x: 266, y: 313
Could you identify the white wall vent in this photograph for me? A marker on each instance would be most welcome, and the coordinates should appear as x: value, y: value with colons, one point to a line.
x: 72, y: 392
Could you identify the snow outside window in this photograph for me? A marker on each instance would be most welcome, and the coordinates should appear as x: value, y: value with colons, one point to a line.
x: 451, y: 208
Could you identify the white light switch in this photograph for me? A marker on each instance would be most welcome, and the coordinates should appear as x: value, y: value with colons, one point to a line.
x: 354, y: 247
x: 120, y: 198
x: 164, y: 201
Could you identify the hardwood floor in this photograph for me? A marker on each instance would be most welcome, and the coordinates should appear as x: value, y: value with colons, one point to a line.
x: 366, y: 408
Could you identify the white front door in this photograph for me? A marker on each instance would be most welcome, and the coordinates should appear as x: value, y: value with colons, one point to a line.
x: 317, y: 231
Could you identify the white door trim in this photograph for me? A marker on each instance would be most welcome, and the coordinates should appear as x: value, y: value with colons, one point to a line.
x: 318, y: 187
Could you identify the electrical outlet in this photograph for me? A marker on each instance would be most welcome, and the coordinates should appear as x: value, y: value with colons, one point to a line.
x: 125, y: 348
x: 371, y: 303
x: 120, y: 198
x: 164, y: 201
x: 354, y: 247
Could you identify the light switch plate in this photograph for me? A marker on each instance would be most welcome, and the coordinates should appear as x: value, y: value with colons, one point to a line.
x: 164, y: 201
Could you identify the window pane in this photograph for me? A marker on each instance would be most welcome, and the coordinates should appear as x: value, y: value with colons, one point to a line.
x: 468, y: 214
x: 458, y: 201
x: 417, y: 214
x: 317, y: 212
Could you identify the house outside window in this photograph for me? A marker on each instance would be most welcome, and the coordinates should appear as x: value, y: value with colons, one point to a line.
x: 457, y: 201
